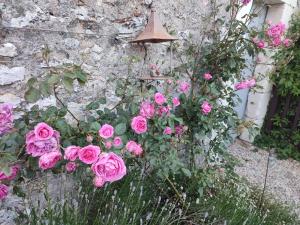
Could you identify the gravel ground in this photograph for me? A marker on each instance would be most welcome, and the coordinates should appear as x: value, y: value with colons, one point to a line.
x: 283, y: 181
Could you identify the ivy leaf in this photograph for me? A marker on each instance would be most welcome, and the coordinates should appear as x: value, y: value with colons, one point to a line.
x: 95, y: 126
x: 120, y: 128
x: 186, y: 172
x: 32, y: 95
x: 53, y: 79
x: 68, y: 83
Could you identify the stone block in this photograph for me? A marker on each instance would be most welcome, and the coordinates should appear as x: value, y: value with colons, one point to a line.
x: 249, y: 134
x: 10, y: 98
x: 280, y: 13
x: 11, y: 75
x: 257, y: 105
x: 8, y: 50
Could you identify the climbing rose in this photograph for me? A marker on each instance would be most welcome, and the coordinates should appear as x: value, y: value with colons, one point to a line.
x: 3, y: 191
x: 131, y: 146
x: 99, y: 182
x: 6, y: 118
x: 43, y: 131
x: 184, y: 87
x: 71, y: 153
x: 206, y: 108
x: 110, y: 167
x: 89, y: 154
x: 246, y: 2
x: 276, y: 30
x: 147, y: 109
x: 176, y: 101
x: 245, y: 84
x: 276, y: 41
x: 260, y: 44
x: 159, y: 98
x: 71, y: 167
x: 12, y: 175
x: 207, y: 76
x: 139, y: 124
x: 168, y: 130
x: 118, y: 142
x: 36, y: 147
x: 138, y: 150
x: 106, y: 131
x: 251, y: 83
x: 164, y: 111
x: 49, y: 160
x: 179, y: 129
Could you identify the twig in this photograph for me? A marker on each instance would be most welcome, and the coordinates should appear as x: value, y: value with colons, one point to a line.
x: 265, y: 181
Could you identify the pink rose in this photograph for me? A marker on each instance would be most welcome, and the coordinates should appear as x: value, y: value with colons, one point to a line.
x: 260, y: 44
x: 43, y: 131
x: 131, y: 146
x: 276, y: 30
x: 207, y: 76
x: 147, y: 110
x: 176, y: 101
x: 6, y: 118
x: 118, y: 142
x: 12, y: 174
x: 168, y: 131
x: 110, y: 167
x: 139, y: 124
x: 89, y: 154
x: 206, y: 108
x: 106, y: 131
x: 287, y: 42
x: 164, y: 111
x: 250, y: 83
x: 276, y: 41
x: 3, y: 191
x: 138, y: 151
x: 71, y: 153
x: 179, y: 129
x: 184, y: 87
x: 71, y: 167
x: 241, y: 85
x: 99, y: 182
x: 108, y: 145
x: 246, y: 2
x: 159, y: 98
x: 49, y: 160
x: 36, y: 147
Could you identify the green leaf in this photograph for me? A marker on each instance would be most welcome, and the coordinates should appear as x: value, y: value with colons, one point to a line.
x: 120, y: 128
x: 95, y: 126
x: 53, y: 79
x: 32, y: 95
x: 186, y: 172
x: 68, y: 83
x: 92, y: 106
x: 31, y: 81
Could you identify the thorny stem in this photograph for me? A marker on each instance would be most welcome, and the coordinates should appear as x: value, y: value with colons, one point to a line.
x: 60, y: 101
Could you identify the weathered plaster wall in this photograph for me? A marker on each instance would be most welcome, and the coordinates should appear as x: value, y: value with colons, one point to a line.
x: 94, y: 33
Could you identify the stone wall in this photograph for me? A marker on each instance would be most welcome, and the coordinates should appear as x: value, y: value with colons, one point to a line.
x: 94, y: 33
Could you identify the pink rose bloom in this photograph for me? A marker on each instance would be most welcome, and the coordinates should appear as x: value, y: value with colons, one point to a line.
x: 110, y: 167
x: 169, y: 81
x: 241, y: 85
x: 207, y: 76
x: 71, y: 167
x: 99, y: 182
x: 276, y: 41
x: 36, y: 147
x: 139, y: 124
x: 6, y: 118
x: 131, y: 146
x: 147, y: 109
x: 276, y: 30
x: 260, y: 44
x: 164, y: 111
x: 246, y: 2
x: 108, y: 145
x: 184, y: 87
x: 89, y: 138
x: 206, y: 108
x: 176, y: 101
x: 89, y: 154
x: 71, y: 153
x: 287, y: 42
x: 12, y: 174
x: 138, y: 150
x: 159, y: 98
x: 106, y: 131
x: 118, y: 142
x: 250, y: 83
x: 168, y: 131
x: 49, y: 160
x: 179, y: 129
x: 3, y: 191
x: 43, y: 131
